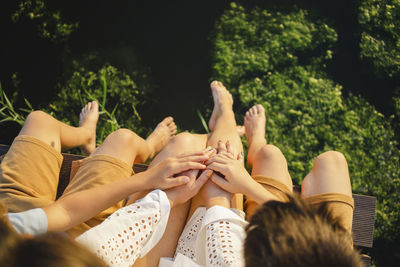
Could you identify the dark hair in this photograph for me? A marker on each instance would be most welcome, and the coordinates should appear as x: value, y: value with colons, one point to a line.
x: 297, y: 234
x: 48, y: 250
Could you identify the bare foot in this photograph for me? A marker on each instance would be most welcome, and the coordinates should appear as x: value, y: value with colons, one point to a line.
x: 88, y: 119
x: 161, y: 135
x: 254, y: 124
x: 222, y: 100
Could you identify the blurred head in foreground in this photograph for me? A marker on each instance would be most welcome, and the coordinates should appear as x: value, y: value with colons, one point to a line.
x: 297, y: 234
x: 47, y: 250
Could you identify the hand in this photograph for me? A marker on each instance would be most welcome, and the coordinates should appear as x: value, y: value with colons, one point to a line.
x: 236, y: 179
x: 161, y: 176
x: 183, y: 193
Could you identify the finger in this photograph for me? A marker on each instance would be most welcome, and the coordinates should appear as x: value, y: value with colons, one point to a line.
x: 195, y: 158
x: 176, y: 181
x: 187, y: 165
x: 221, y: 182
x: 228, y: 147
x: 240, y: 157
x: 203, y: 178
x: 217, y: 159
x: 215, y: 166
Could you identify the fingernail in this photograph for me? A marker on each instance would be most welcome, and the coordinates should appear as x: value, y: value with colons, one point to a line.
x: 209, y: 173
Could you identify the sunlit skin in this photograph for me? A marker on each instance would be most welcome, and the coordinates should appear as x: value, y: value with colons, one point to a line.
x: 123, y: 144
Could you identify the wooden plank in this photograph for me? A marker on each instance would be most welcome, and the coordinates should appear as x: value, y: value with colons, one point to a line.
x: 363, y: 220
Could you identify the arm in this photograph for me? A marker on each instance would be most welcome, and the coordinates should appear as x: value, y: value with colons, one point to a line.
x: 236, y: 178
x: 73, y: 209
x: 134, y: 230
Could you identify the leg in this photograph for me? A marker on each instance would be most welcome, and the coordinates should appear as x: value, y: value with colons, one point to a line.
x: 61, y: 136
x: 181, y: 143
x: 330, y: 174
x: 329, y: 181
x: 129, y: 147
x: 30, y: 170
x: 112, y: 161
x: 269, y: 166
x: 224, y: 128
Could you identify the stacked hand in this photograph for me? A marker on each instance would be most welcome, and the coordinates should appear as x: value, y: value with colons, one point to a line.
x: 165, y: 174
x: 235, y: 178
x: 223, y: 175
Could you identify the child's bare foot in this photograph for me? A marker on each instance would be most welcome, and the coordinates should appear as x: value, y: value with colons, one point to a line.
x: 222, y: 101
x: 254, y: 123
x: 161, y: 135
x: 88, y: 120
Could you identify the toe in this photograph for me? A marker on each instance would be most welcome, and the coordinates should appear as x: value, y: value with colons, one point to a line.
x: 173, y: 131
x: 214, y: 84
x: 95, y: 105
x: 168, y: 120
x: 253, y: 110
x: 88, y: 106
x: 260, y: 109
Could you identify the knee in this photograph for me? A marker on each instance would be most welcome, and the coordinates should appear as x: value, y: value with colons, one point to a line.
x: 185, y: 139
x: 333, y: 159
x: 270, y: 152
x: 124, y: 136
x: 37, y: 116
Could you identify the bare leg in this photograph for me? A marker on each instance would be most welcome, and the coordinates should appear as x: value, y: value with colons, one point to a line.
x: 61, y: 136
x: 330, y: 174
x: 179, y: 144
x: 225, y: 128
x: 266, y: 160
x: 129, y: 147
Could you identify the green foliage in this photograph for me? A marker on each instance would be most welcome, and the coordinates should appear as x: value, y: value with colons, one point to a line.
x: 50, y: 24
x: 9, y: 113
x: 380, y: 39
x: 277, y: 60
x: 116, y: 92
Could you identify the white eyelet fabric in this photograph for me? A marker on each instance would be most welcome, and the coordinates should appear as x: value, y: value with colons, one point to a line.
x: 130, y: 232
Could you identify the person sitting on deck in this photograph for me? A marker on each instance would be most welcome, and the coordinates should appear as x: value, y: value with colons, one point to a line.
x: 99, y: 183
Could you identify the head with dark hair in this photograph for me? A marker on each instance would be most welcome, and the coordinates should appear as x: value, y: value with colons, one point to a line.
x: 48, y: 250
x: 297, y: 234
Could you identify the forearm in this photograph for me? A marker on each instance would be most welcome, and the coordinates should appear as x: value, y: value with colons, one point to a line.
x: 73, y: 209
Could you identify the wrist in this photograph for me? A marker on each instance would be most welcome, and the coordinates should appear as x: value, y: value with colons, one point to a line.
x: 218, y: 201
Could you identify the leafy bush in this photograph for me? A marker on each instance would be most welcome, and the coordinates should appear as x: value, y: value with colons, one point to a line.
x: 116, y: 92
x: 380, y: 39
x: 278, y: 60
x: 50, y: 24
